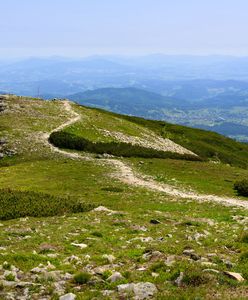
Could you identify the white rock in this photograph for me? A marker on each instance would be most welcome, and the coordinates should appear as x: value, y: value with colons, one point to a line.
x: 102, y: 209
x: 235, y: 276
x: 50, y: 266
x: 144, y: 290
x: 37, y: 270
x: 211, y: 271
x: 207, y: 264
x: 179, y: 279
x: 81, y: 246
x: 141, y: 290
x: 170, y: 260
x: 110, y: 258
x: 69, y: 296
x: 72, y: 258
x: 115, y: 277
x: 125, y: 288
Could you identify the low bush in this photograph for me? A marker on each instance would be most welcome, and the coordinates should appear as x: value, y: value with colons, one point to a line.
x: 241, y: 187
x: 112, y: 189
x: 18, y: 204
x: 81, y: 278
x: 71, y: 141
x: 195, y: 277
x: 244, y: 237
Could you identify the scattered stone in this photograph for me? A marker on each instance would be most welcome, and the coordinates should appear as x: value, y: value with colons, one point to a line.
x: 72, y: 259
x: 144, y: 290
x: 235, y: 276
x: 207, y: 264
x: 115, y: 277
x: 146, y: 239
x: 125, y: 288
x: 110, y: 258
x: 37, y: 270
x: 52, y: 255
x: 141, y: 290
x: 103, y: 209
x: 195, y: 256
x: 228, y: 263
x: 198, y: 235
x: 7, y: 283
x: 179, y: 280
x: 107, y: 293
x: 188, y: 252
x: 50, y: 266
x: 69, y: 296
x: 152, y: 255
x: 47, y: 247
x: 81, y: 246
x: 154, y: 221
x: 59, y: 287
x: 54, y: 275
x: 100, y: 270
x: 191, y: 253
x: 140, y: 228
x: 170, y: 260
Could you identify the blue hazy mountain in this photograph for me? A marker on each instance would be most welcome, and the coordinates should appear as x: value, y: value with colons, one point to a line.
x: 210, y: 91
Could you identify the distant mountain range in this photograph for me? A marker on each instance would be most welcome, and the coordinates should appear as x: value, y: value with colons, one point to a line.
x: 209, y: 112
x: 127, y: 100
x: 198, y: 91
x: 148, y: 72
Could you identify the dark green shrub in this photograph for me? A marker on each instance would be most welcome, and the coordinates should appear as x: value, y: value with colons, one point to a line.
x: 19, y: 204
x: 244, y: 238
x: 241, y: 187
x: 71, y: 141
x: 112, y: 189
x: 106, y: 274
x: 81, y: 278
x: 97, y: 234
x: 195, y: 277
x: 10, y: 277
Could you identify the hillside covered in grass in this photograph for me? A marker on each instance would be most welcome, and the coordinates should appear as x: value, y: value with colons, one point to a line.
x: 71, y: 222
x: 109, y: 127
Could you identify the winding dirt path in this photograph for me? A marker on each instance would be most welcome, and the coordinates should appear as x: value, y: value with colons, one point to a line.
x: 125, y: 173
x: 74, y: 118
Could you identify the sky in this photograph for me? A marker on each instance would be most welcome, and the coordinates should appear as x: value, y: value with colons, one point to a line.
x: 77, y: 28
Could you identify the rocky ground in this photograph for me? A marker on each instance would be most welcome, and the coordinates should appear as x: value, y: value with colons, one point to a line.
x: 137, y: 243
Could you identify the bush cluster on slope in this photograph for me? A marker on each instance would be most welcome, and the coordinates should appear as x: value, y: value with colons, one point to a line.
x: 18, y: 204
x: 241, y: 187
x: 71, y: 141
x: 207, y: 144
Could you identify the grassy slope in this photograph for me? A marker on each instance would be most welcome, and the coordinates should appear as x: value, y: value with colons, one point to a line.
x: 203, y: 177
x: 41, y: 171
x: 93, y: 122
x: 207, y: 144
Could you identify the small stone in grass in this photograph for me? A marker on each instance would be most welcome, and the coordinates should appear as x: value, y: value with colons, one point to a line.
x: 154, y: 221
x: 69, y: 296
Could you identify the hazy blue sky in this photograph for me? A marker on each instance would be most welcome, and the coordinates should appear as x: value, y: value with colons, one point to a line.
x: 86, y: 27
